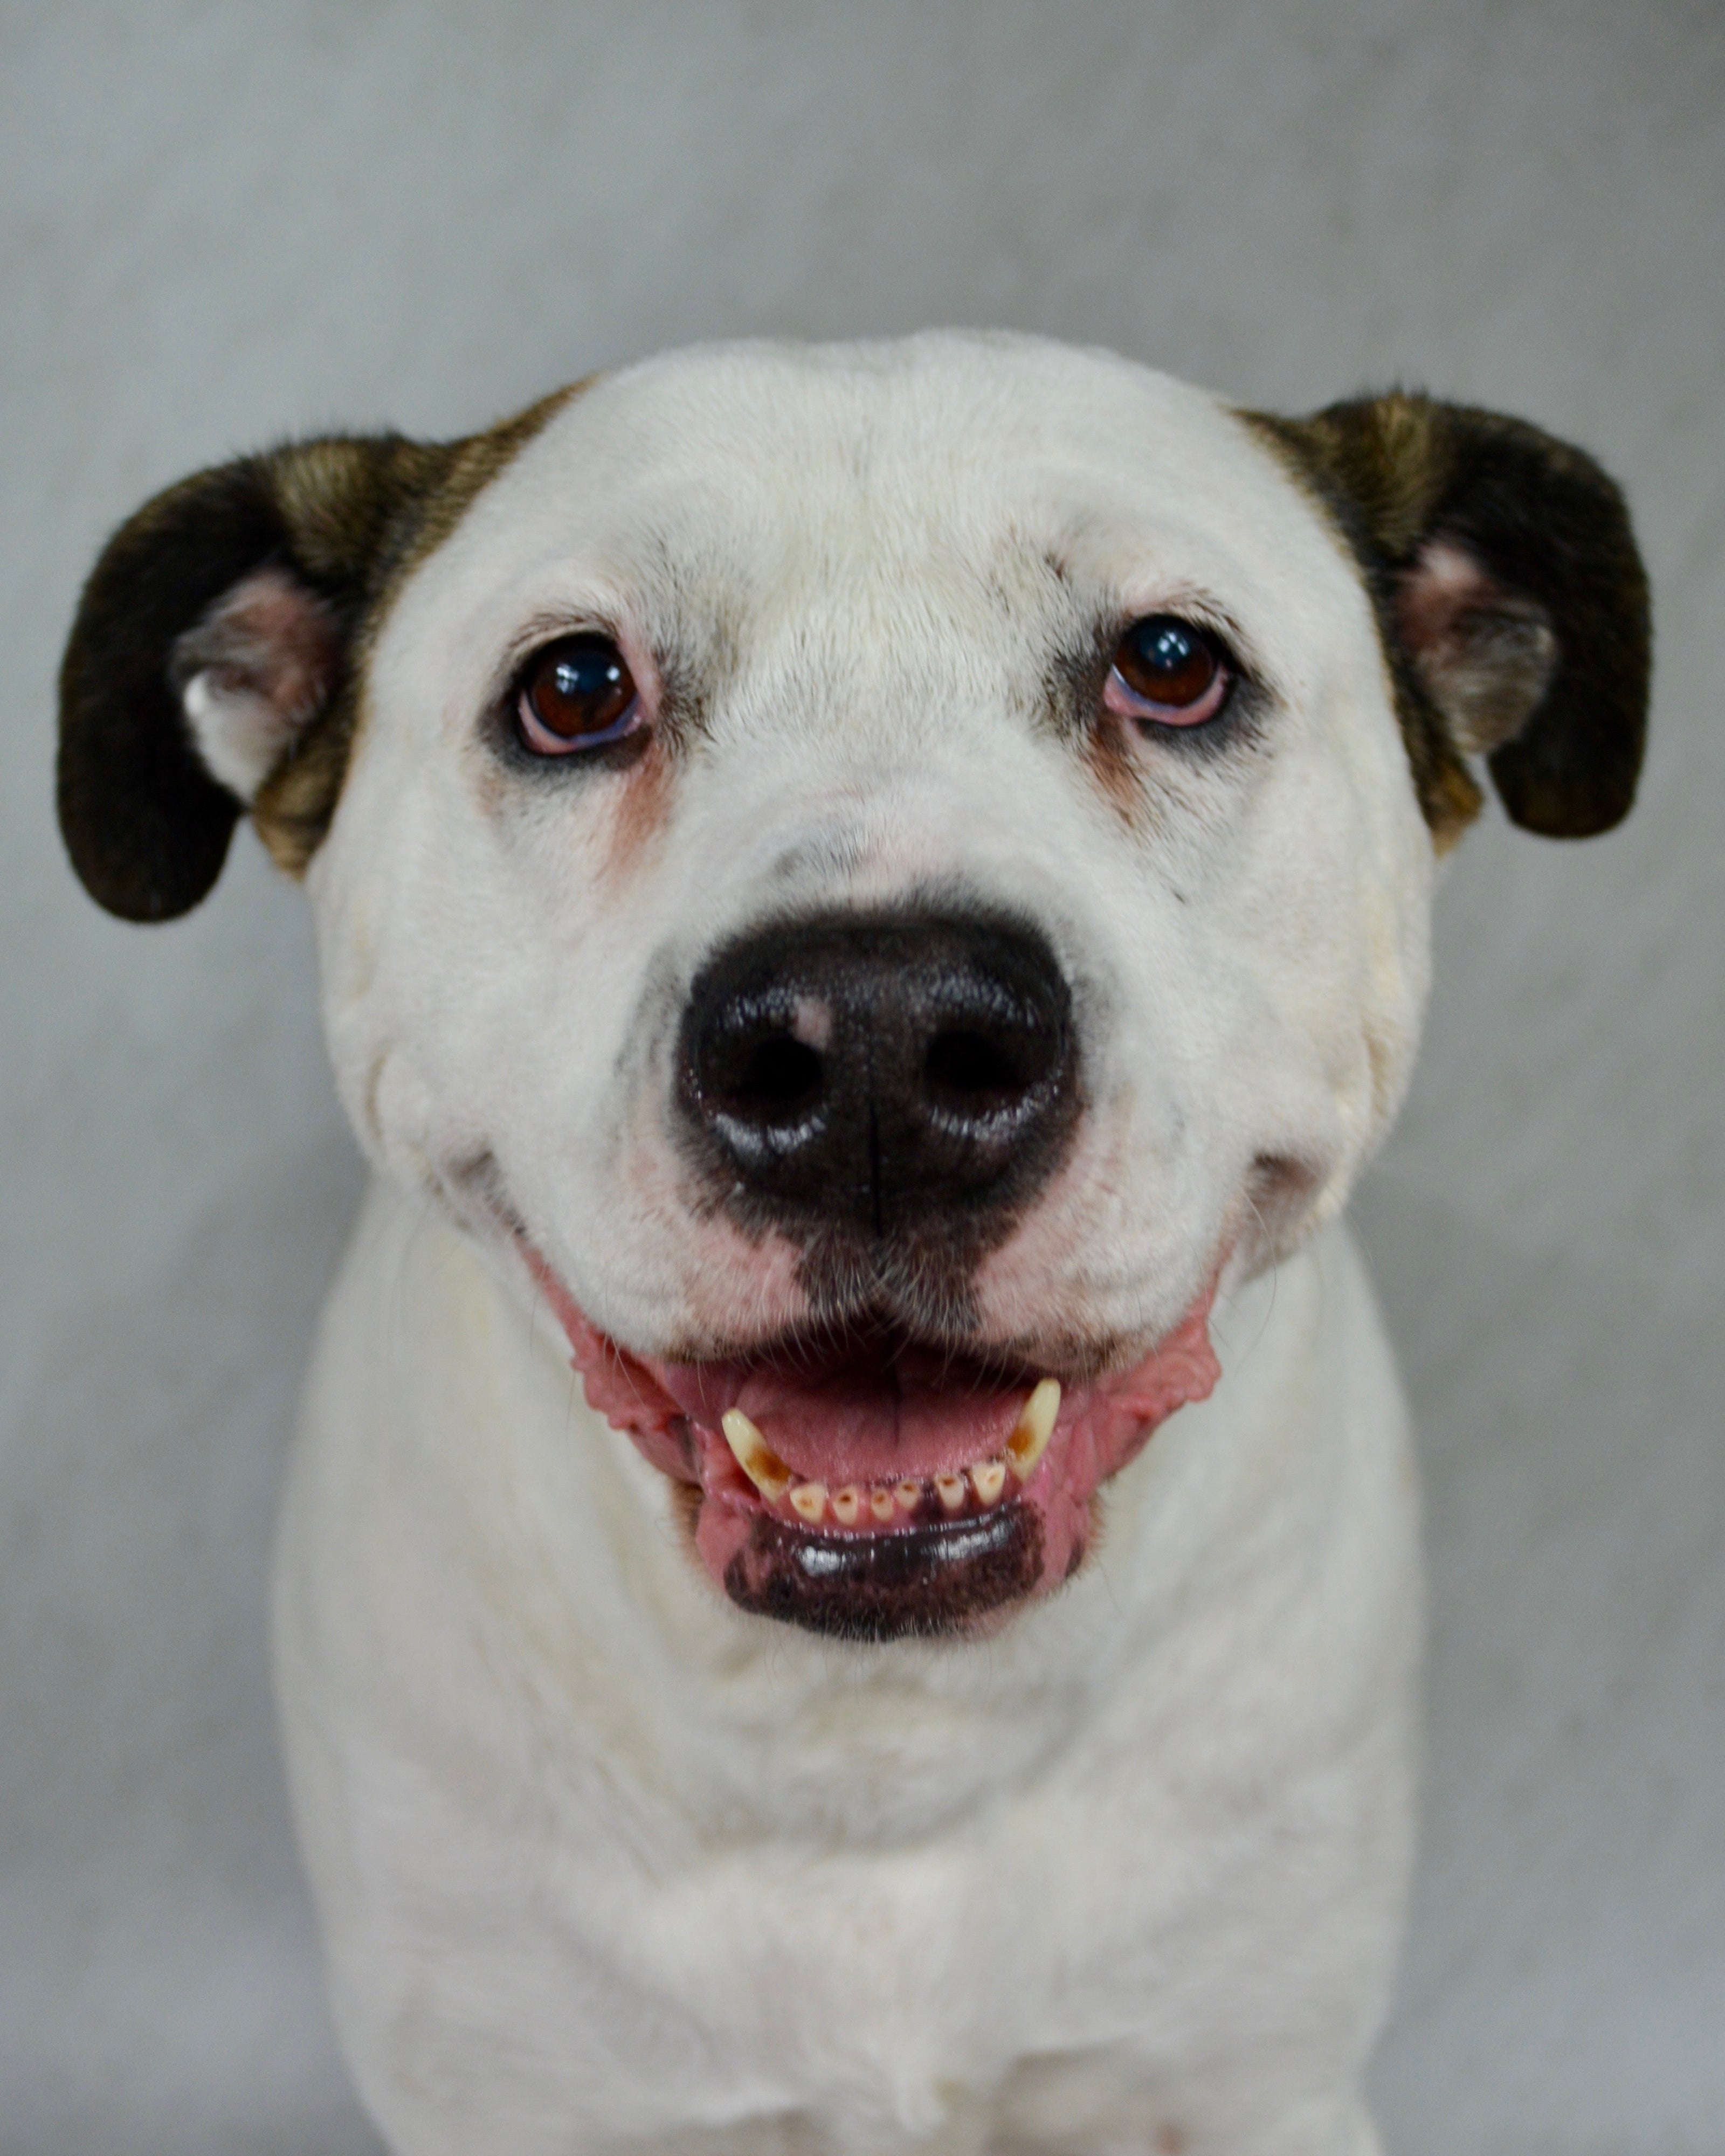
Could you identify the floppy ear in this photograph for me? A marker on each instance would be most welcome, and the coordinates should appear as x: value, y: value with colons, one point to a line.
x: 1511, y: 600
x: 212, y: 647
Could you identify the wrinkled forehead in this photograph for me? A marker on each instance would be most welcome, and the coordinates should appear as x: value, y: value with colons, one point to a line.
x: 717, y: 493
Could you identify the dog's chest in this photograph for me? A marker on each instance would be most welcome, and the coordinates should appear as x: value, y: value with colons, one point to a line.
x: 658, y: 1982
x: 585, y: 1838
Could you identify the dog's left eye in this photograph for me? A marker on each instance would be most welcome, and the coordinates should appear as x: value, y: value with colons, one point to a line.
x: 576, y: 694
x: 1169, y: 672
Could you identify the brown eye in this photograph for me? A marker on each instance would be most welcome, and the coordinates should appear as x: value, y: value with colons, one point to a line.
x: 576, y: 694
x: 1168, y: 671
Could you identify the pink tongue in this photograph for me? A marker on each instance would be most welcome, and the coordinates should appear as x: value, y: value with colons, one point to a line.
x: 851, y: 1425
x: 855, y: 1426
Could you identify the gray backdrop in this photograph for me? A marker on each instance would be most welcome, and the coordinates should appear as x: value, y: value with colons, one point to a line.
x: 224, y: 223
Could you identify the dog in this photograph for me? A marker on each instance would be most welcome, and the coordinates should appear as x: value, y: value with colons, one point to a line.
x: 849, y: 1578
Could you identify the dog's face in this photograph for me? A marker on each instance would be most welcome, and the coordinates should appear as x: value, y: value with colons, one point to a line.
x: 873, y: 879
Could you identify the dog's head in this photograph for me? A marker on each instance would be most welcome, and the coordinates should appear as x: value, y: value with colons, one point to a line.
x: 873, y: 879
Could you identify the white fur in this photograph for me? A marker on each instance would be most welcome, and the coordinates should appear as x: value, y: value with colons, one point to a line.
x: 601, y: 1862
x: 240, y: 735
x: 604, y: 1863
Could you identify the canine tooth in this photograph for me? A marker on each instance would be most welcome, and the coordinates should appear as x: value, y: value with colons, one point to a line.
x: 989, y: 1478
x: 880, y: 1503
x: 809, y: 1499
x: 847, y: 1503
x: 909, y: 1496
x: 950, y: 1489
x: 1034, y: 1427
x: 755, y: 1456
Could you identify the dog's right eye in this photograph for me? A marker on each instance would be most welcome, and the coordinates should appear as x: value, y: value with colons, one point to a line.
x: 1169, y: 672
x: 576, y: 694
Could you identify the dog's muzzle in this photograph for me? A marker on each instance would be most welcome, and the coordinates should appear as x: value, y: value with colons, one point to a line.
x: 890, y: 1091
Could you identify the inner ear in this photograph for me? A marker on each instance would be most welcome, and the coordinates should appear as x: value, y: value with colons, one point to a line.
x: 1485, y: 654
x: 253, y: 672
x: 1510, y: 596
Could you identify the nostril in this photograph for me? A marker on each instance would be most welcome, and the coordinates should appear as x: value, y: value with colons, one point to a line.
x: 974, y: 1074
x: 876, y: 1070
x: 779, y: 1082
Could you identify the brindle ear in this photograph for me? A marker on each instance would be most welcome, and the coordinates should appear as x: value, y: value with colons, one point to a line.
x: 212, y: 649
x: 1511, y: 600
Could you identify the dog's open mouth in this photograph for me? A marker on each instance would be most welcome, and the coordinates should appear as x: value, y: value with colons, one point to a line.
x: 870, y: 1486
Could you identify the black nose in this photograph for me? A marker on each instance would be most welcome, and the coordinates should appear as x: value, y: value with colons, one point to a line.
x: 879, y: 1069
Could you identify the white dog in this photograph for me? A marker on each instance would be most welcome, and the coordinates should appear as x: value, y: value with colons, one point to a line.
x: 877, y: 898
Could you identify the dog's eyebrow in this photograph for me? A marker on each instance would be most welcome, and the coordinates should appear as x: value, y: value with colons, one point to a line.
x: 1190, y: 602
x: 551, y: 622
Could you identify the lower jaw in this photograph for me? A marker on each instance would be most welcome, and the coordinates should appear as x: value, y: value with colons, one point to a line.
x: 961, y: 1577
x: 1000, y: 1543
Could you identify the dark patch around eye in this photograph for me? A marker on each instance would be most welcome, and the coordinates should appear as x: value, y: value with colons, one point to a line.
x: 1165, y: 646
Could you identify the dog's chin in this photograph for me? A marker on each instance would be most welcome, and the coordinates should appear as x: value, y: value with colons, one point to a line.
x: 868, y: 1486
x: 925, y: 1580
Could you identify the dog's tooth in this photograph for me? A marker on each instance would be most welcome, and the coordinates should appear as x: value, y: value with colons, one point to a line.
x: 950, y: 1489
x: 755, y: 1456
x: 909, y: 1496
x: 810, y: 1500
x: 880, y: 1503
x: 1034, y: 1427
x: 847, y: 1503
x: 988, y: 1477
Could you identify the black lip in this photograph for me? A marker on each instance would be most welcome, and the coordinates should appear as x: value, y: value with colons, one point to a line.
x: 919, y: 1582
